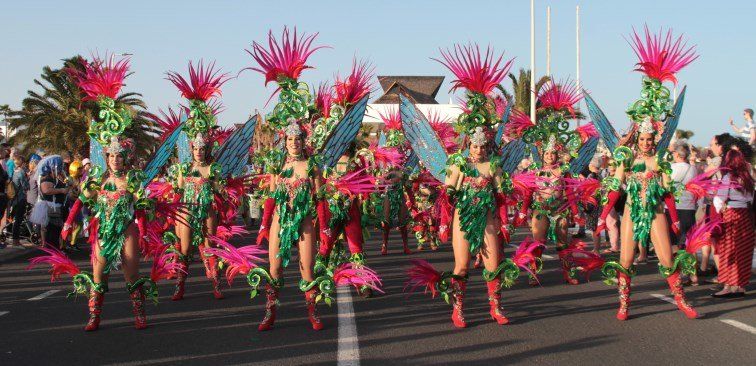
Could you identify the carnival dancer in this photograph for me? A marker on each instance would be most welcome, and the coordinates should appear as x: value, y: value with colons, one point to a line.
x: 646, y: 174
x: 339, y: 210
x: 476, y: 188
x: 120, y: 229
x: 199, y: 182
x: 390, y: 206
x: 547, y: 197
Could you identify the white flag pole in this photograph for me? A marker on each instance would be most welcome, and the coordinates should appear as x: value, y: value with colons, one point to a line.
x: 532, y: 63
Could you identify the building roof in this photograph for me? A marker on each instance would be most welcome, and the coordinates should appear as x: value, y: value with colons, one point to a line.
x: 422, y: 89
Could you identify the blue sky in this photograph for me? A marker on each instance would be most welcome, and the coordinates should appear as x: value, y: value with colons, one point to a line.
x: 399, y: 37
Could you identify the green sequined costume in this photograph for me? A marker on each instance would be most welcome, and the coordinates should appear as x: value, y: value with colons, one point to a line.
x: 198, y: 194
x: 295, y: 200
x: 113, y: 209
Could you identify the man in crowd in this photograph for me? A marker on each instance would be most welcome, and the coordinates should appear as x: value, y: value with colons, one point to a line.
x: 748, y: 131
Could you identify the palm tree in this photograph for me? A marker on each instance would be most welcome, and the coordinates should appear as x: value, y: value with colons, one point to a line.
x: 684, y: 134
x: 521, y: 89
x: 56, y: 119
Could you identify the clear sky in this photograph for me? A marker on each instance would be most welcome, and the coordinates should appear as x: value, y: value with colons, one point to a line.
x: 399, y: 37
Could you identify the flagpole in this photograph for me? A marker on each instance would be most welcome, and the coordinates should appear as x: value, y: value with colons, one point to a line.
x: 577, y: 41
x: 532, y: 63
x: 548, y: 41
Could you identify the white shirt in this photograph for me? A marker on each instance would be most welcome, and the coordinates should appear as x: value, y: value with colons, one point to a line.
x: 732, y: 198
x: 682, y: 173
x: 745, y: 131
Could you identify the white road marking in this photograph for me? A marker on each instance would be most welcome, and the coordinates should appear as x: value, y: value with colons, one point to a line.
x: 665, y: 298
x: 4, y: 312
x: 547, y: 256
x: 348, y: 347
x: 42, y: 295
x: 739, y: 325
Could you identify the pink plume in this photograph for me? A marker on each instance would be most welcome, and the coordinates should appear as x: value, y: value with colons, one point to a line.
x: 347, y: 274
x: 519, y: 122
x: 524, y: 257
x: 355, y: 182
x: 59, y: 262
x: 422, y: 274
x: 445, y: 130
x: 356, y: 85
x: 659, y: 56
x: 560, y: 96
x: 100, y: 78
x: 587, y: 131
x: 525, y: 182
x: 324, y: 99
x: 239, y: 260
x: 164, y: 267
x: 699, y: 235
x: 167, y: 122
x: 473, y: 71
x: 204, y: 82
x: 392, y: 120
x: 387, y: 156
x: 586, y: 261
x: 703, y: 185
x: 581, y: 190
x: 227, y: 232
x: 287, y: 58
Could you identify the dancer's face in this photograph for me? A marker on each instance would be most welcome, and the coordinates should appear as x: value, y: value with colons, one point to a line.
x: 715, y: 147
x: 550, y: 157
x: 646, y: 142
x: 198, y: 153
x: 477, y: 151
x: 294, y: 145
x: 116, y: 162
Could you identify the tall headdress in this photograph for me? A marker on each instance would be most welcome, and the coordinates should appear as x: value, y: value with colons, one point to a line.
x: 201, y: 90
x: 660, y: 57
x: 101, y: 80
x: 479, y: 75
x: 331, y: 102
x: 556, y: 105
x: 283, y: 62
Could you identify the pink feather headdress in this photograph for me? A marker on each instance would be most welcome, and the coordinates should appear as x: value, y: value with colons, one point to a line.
x: 587, y: 131
x: 356, y: 85
x: 392, y: 120
x: 100, y: 78
x: 287, y: 58
x: 519, y: 122
x: 560, y: 96
x: 660, y: 56
x: 324, y: 99
x: 473, y: 71
x: 167, y: 122
x: 204, y: 82
x: 445, y: 130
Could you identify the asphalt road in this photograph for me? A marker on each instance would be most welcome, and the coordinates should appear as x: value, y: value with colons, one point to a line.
x: 552, y: 324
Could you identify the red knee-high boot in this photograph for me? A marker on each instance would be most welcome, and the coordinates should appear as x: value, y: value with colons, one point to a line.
x: 458, y: 296
x: 96, y: 298
x: 181, y: 275
x: 312, y: 310
x: 137, y: 305
x: 404, y: 230
x: 675, y: 286
x: 271, y: 305
x: 211, y: 271
x: 623, y: 287
x: 494, y: 300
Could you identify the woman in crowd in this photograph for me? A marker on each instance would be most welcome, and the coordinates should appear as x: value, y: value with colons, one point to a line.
x: 735, y: 247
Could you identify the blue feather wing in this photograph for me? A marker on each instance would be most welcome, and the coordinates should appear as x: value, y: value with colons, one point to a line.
x: 234, y: 154
x: 585, y: 154
x: 423, y: 139
x: 412, y: 161
x: 512, y: 154
x: 344, y: 133
x: 96, y: 155
x: 382, y: 140
x: 162, y: 154
x: 603, y: 126
x: 671, y: 125
x: 183, y: 150
x: 504, y: 120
